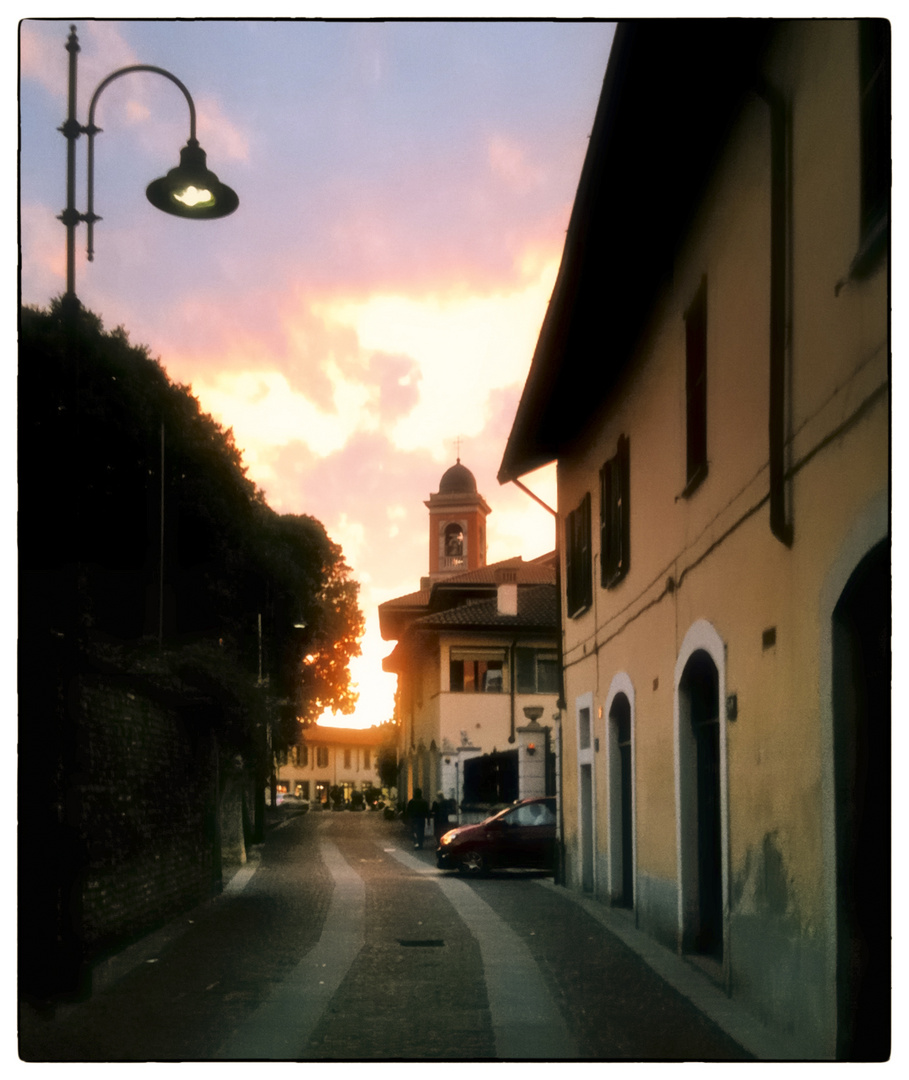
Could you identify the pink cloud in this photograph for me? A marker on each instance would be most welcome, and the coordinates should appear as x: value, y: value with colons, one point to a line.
x: 368, y: 481
x: 398, y: 381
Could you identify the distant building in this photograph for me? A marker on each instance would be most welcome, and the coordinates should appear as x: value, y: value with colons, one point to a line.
x: 328, y: 757
x: 712, y: 377
x: 477, y: 645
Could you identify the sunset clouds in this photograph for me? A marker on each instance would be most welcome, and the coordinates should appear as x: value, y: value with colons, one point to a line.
x: 404, y: 192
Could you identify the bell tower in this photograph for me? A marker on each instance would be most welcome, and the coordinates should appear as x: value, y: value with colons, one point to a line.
x: 457, y: 524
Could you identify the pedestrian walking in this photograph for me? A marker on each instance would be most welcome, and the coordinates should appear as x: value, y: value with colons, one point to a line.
x: 416, y: 813
x: 440, y: 811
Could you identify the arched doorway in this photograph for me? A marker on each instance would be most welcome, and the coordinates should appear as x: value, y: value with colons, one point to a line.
x: 700, y: 807
x: 621, y: 813
x: 861, y: 719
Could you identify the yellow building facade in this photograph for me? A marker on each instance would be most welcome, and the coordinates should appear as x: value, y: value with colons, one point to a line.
x: 331, y: 758
x: 724, y: 513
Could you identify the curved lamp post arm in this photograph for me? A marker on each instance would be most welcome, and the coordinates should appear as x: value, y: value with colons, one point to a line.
x: 90, y: 217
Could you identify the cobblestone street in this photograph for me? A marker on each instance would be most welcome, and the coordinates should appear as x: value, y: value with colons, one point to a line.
x: 338, y: 942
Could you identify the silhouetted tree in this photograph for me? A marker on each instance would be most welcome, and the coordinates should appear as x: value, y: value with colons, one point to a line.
x: 139, y: 528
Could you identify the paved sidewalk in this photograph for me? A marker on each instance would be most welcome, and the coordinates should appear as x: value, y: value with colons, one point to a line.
x: 726, y: 1013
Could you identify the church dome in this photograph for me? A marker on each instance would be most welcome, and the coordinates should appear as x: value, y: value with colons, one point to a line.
x: 458, y: 480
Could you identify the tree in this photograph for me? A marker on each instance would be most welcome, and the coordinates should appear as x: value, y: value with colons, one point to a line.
x: 147, y: 558
x: 139, y: 529
x: 387, y: 757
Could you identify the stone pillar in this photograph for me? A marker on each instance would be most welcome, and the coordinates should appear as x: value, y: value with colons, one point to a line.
x: 532, y: 755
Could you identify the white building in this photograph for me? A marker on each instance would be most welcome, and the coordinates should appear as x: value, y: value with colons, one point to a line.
x: 476, y: 659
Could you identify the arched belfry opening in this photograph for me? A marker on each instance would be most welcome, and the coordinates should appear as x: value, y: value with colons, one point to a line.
x: 457, y: 524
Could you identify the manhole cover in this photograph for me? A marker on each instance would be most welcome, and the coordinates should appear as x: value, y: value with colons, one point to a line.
x: 422, y: 943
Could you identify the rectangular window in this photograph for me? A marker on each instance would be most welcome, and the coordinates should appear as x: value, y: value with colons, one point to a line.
x: 347, y: 759
x: 537, y: 671
x: 584, y: 729
x: 579, y: 570
x: 476, y: 671
x: 303, y: 789
x: 696, y: 388
x: 614, y: 516
x: 322, y: 757
x: 366, y: 764
x: 303, y: 756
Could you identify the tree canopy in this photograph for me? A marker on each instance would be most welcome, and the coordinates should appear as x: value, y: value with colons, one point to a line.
x: 140, y: 532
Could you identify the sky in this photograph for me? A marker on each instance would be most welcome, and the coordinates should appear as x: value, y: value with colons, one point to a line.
x: 371, y: 308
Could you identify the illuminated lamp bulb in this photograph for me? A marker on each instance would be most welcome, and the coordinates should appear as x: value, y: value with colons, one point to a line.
x: 192, y: 190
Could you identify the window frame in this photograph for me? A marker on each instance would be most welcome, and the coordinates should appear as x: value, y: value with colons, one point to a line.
x: 528, y: 659
x: 479, y: 682
x: 875, y: 179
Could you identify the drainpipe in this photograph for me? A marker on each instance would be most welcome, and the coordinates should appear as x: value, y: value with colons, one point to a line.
x: 780, y: 171
x: 512, y: 680
x: 560, y: 703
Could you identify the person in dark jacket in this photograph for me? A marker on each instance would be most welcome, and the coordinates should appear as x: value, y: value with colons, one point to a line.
x: 416, y: 813
x: 440, y: 811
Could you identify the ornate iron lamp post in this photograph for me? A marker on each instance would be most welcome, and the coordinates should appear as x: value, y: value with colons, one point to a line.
x: 191, y: 190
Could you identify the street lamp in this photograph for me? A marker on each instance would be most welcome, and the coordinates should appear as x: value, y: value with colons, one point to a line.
x: 191, y: 190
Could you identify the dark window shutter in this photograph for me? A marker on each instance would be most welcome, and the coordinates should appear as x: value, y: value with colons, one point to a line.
x: 578, y: 565
x: 525, y: 660
x: 614, y: 516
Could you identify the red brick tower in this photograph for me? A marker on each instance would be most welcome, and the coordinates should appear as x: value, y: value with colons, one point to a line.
x: 457, y: 524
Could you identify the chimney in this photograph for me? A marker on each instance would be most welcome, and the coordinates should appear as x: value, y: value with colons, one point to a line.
x: 507, y: 590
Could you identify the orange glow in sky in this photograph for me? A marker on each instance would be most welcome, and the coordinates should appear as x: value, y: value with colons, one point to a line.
x: 372, y: 307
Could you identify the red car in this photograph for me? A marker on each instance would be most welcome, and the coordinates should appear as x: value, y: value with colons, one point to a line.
x: 521, y: 836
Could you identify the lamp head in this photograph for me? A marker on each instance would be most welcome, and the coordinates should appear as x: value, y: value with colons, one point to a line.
x: 192, y: 190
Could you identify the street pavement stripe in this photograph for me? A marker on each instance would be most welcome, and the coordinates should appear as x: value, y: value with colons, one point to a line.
x: 526, y: 1022
x: 280, y: 1029
x: 240, y: 879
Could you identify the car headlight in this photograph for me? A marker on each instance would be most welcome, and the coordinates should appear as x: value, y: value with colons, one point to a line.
x: 447, y: 838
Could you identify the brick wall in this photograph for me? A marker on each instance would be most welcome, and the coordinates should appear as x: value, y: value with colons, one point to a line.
x: 142, y: 793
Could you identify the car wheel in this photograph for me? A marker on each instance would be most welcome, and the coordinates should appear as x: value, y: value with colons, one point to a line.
x: 472, y: 862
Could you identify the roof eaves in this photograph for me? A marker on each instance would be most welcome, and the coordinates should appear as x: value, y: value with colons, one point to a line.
x: 681, y: 82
